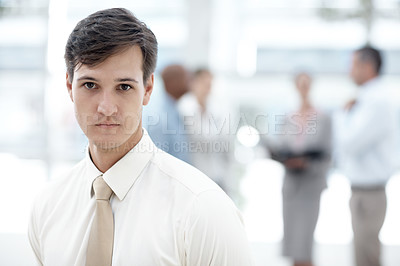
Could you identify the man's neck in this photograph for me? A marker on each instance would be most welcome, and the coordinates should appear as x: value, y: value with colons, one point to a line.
x: 374, y: 77
x: 104, y: 157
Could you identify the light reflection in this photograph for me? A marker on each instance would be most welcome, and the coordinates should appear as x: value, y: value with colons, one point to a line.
x: 248, y: 136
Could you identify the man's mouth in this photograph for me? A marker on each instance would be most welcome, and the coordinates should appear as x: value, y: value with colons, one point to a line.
x: 107, y: 125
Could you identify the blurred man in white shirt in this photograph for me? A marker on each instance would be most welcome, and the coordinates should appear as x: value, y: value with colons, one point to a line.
x: 366, y: 146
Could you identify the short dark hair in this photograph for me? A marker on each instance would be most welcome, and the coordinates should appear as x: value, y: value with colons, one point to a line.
x: 371, y: 55
x: 108, y: 32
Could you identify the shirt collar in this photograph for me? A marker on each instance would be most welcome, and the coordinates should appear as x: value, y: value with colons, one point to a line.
x: 91, y: 172
x: 369, y: 85
x: 123, y: 174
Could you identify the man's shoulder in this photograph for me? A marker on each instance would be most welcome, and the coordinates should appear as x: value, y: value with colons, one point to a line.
x: 47, y: 196
x: 205, y: 198
x: 184, y: 174
x: 376, y: 92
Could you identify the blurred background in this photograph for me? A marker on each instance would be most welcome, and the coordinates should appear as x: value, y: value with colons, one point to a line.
x: 252, y: 47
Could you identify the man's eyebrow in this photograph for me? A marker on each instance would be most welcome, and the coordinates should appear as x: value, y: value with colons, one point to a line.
x: 87, y: 78
x: 126, y: 79
x: 116, y: 80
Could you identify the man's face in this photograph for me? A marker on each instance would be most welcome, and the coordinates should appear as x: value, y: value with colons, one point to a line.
x: 358, y: 69
x: 108, y: 99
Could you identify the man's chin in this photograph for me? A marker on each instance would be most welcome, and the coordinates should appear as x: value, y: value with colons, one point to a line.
x: 106, y: 145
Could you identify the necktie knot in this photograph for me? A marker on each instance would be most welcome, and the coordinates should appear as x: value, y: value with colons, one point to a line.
x: 101, y: 190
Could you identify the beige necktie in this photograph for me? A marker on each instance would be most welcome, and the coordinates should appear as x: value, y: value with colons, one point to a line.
x: 101, y: 239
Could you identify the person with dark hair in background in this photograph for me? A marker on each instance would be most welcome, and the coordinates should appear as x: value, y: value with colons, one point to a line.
x: 128, y: 202
x: 163, y: 120
x: 304, y: 149
x: 365, y: 140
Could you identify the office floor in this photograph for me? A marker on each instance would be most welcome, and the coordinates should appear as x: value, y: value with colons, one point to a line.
x: 268, y: 254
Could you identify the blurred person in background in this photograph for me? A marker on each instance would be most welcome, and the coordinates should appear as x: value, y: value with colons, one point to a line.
x: 128, y: 202
x: 304, y: 148
x: 366, y: 152
x: 209, y: 142
x: 164, y: 121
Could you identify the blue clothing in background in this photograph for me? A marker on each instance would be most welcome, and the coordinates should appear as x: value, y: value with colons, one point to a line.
x: 165, y: 126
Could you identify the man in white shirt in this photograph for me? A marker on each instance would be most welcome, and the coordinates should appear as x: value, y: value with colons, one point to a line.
x: 164, y: 212
x: 366, y: 145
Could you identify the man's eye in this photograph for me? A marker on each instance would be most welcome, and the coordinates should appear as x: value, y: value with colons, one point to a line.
x: 125, y: 87
x: 89, y: 85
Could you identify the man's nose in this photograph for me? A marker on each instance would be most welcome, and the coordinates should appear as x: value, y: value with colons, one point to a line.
x: 107, y: 105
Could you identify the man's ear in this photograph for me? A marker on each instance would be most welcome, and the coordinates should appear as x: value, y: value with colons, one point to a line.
x: 148, y: 89
x: 69, y: 86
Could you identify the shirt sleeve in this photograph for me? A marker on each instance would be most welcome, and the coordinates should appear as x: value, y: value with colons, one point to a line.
x: 214, y: 233
x: 33, y: 236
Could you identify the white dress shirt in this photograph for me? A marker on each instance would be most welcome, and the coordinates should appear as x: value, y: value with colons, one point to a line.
x: 166, y: 212
x: 366, y: 137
